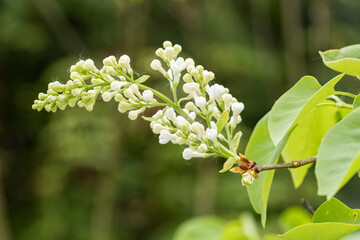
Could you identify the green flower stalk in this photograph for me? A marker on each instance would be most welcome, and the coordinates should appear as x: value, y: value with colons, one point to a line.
x: 203, y: 116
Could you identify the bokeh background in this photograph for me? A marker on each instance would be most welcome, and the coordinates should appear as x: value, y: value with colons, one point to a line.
x: 97, y: 175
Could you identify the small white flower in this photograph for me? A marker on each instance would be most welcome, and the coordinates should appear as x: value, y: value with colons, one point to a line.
x: 203, y: 148
x: 187, y: 78
x: 106, y: 96
x: 125, y: 58
x: 133, y: 114
x: 157, y: 128
x: 124, y: 106
x: 89, y: 65
x: 187, y: 154
x: 170, y: 114
x: 208, y: 76
x: 200, y: 102
x: 167, y: 44
x: 192, y: 89
x: 237, y: 107
x: 164, y: 137
x: 170, y: 53
x: 110, y: 61
x: 247, y: 179
x: 148, y: 95
x: 198, y: 129
x: 156, y: 65
x: 189, y: 62
x: 215, y: 91
x: 211, y: 134
x: 116, y: 85
x: 177, y: 48
x: 227, y: 98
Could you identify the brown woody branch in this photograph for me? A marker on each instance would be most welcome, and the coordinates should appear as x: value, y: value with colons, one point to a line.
x: 294, y: 164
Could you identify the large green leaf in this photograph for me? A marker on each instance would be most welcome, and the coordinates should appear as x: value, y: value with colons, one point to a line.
x: 335, y: 211
x: 339, y: 155
x: 293, y: 217
x: 202, y: 228
x: 345, y: 60
x: 356, y: 103
x: 296, y: 103
x: 321, y: 231
x: 262, y: 150
x: 331, y: 221
x: 305, y: 140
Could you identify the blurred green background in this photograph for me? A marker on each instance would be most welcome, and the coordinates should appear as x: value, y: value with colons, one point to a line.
x: 77, y: 175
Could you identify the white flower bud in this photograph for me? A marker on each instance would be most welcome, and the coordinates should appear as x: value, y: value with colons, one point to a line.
x: 148, y: 95
x: 156, y: 65
x: 198, y: 129
x: 75, y: 75
x: 247, y: 179
x: 160, y: 53
x: 200, y: 102
x: 124, y: 58
x: 189, y: 62
x: 118, y: 97
x: 167, y: 44
x: 135, y: 89
x: 187, y: 154
x: 170, y: 53
x: 208, y: 76
x: 237, y: 107
x: 133, y: 114
x: 110, y: 61
x: 106, y: 96
x: 227, y: 98
x: 157, y: 128
x: 124, y: 106
x: 203, y: 148
x: 192, y: 137
x: 192, y: 88
x: 164, y: 137
x: 187, y: 78
x: 170, y: 114
x: 89, y: 65
x: 116, y: 85
x: 177, y: 48
x: 211, y: 134
x: 215, y: 91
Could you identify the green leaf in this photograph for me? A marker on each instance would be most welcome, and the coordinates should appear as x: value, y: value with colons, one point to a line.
x: 262, y: 150
x: 305, y: 140
x: 335, y: 211
x: 202, y: 228
x: 222, y: 121
x: 229, y: 163
x: 331, y: 221
x: 293, y: 217
x: 234, y: 144
x: 339, y: 155
x: 321, y: 231
x: 242, y: 229
x: 356, y: 103
x: 296, y: 103
x: 345, y: 60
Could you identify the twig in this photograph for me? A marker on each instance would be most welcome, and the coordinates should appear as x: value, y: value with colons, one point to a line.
x: 307, y: 206
x: 294, y: 164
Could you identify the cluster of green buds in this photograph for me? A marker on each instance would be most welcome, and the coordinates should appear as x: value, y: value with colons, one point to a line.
x: 202, y: 117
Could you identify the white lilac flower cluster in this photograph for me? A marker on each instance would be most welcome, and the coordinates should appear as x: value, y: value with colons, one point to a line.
x: 203, y: 120
x: 113, y: 81
x: 209, y: 109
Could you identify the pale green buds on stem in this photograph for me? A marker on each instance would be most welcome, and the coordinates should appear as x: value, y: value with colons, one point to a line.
x: 203, y: 119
